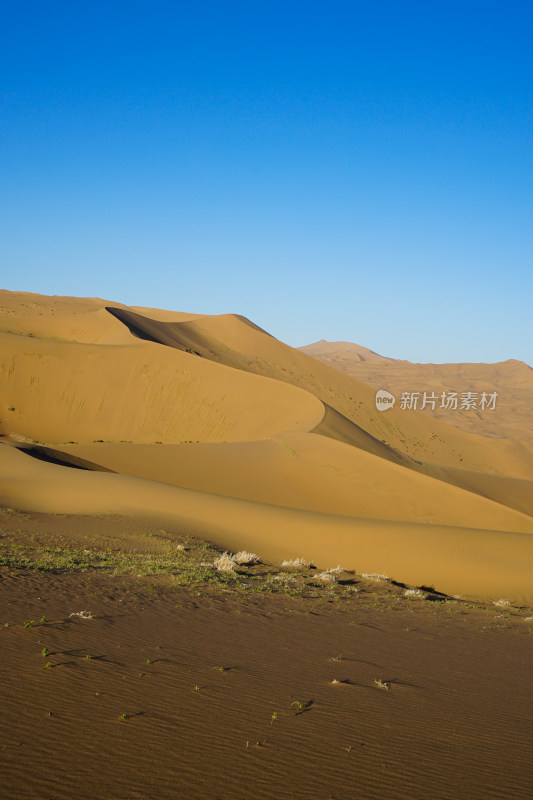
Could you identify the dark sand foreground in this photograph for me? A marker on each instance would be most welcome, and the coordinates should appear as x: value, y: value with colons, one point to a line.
x: 199, y: 690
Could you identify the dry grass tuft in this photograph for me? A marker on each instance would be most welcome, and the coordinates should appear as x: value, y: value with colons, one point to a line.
x: 326, y: 577
x: 415, y: 593
x: 246, y: 559
x: 224, y: 563
x: 298, y: 563
x: 82, y: 614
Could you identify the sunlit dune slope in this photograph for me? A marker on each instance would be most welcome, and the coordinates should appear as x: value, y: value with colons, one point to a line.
x: 481, y: 563
x: 57, y: 392
x: 307, y: 471
x: 72, y: 319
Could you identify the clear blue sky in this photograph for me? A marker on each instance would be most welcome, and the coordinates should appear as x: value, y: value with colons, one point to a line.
x: 340, y: 170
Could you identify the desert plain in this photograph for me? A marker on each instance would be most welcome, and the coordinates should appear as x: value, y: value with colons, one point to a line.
x: 224, y: 573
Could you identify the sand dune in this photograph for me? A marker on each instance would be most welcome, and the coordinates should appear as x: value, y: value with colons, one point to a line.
x: 246, y: 441
x: 306, y: 471
x: 489, y: 562
x: 236, y: 342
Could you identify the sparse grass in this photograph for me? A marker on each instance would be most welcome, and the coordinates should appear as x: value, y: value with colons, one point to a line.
x: 204, y: 569
x: 301, y: 705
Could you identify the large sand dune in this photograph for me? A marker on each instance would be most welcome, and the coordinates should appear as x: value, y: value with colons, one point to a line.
x: 306, y: 471
x: 251, y: 443
x: 490, y: 563
x: 236, y: 342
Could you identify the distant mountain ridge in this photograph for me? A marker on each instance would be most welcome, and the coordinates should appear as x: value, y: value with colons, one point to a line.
x: 359, y: 352
x: 512, y: 380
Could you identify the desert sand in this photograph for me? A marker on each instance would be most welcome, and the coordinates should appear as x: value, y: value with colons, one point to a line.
x: 216, y: 422
x: 136, y: 445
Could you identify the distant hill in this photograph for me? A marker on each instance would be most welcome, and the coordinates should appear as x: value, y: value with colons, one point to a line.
x: 512, y: 417
x: 341, y: 350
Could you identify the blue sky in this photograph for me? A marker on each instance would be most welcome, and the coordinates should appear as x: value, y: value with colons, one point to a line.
x: 357, y: 171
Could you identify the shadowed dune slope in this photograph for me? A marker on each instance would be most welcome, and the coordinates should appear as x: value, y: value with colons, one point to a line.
x: 336, y: 426
x: 513, y: 492
x: 52, y: 456
x: 480, y: 563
